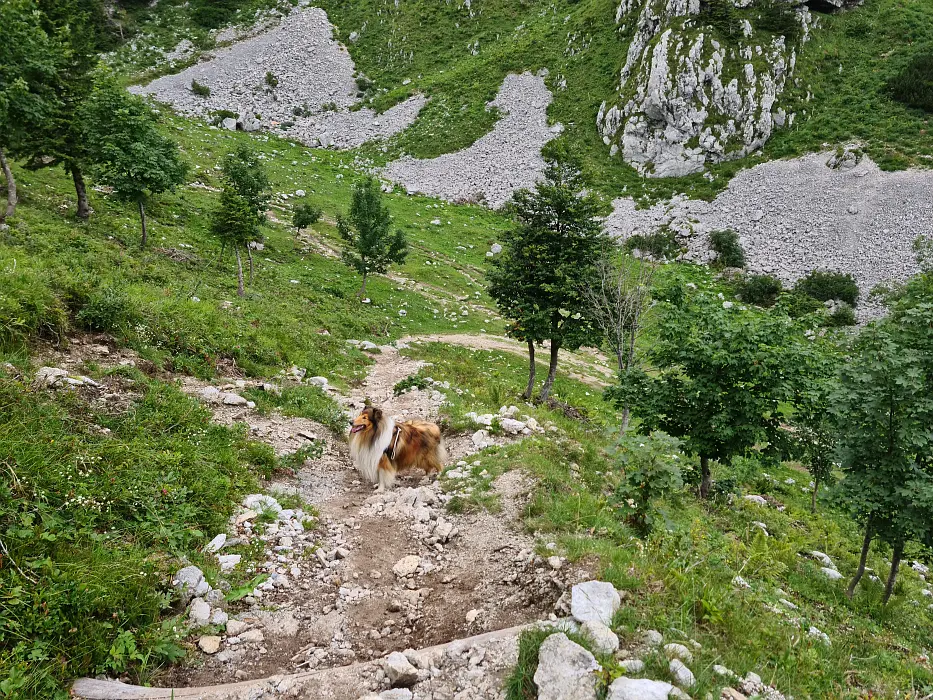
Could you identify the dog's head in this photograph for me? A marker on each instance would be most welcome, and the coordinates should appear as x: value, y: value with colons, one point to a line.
x: 369, y: 419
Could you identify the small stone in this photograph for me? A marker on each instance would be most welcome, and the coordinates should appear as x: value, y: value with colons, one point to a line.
x: 209, y: 644
x: 732, y: 694
x: 683, y: 676
x: 594, y: 600
x: 724, y: 672
x: 603, y: 639
x: 678, y: 651
x: 228, y: 561
x: 215, y: 544
x: 651, y: 638
x: 253, y: 636
x: 757, y: 500
x: 555, y: 563
x: 406, y: 566
x: 236, y: 627
x: 831, y: 574
x: 395, y: 694
x: 632, y: 665
x: 565, y: 670
x: 399, y: 670
x: 820, y: 635
x: 219, y: 617
x: 199, y: 612
x: 639, y: 689
x: 472, y: 615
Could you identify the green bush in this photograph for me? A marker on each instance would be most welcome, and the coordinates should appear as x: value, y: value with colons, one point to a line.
x: 777, y: 17
x: 660, y: 245
x: 824, y: 286
x: 305, y: 215
x: 728, y: 250
x: 212, y: 14
x: 796, y: 305
x: 913, y: 85
x: 651, y: 470
x: 721, y: 15
x: 199, y: 89
x: 107, y: 309
x: 760, y: 290
x: 843, y: 315
x: 271, y: 80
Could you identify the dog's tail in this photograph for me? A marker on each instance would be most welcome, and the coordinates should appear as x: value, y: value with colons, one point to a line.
x: 441, y: 455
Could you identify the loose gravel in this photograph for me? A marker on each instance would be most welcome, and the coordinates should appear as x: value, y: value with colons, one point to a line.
x: 506, y: 159
x: 315, y: 75
x: 794, y: 216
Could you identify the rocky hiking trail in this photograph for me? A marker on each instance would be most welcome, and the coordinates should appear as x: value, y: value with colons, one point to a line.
x: 367, y: 574
x: 382, y: 596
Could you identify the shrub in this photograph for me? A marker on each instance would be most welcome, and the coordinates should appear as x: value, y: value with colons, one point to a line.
x: 660, y: 245
x: 728, y: 250
x: 29, y: 308
x: 760, y: 290
x: 213, y: 13
x: 220, y: 114
x: 823, y: 286
x: 843, y: 315
x: 271, y: 80
x: 305, y: 215
x: 413, y: 381
x: 796, y: 305
x: 651, y: 469
x: 913, y: 85
x: 721, y: 15
x: 199, y: 89
x: 778, y: 17
x: 107, y: 309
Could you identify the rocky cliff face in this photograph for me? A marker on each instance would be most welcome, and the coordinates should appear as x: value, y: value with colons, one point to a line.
x: 700, y: 83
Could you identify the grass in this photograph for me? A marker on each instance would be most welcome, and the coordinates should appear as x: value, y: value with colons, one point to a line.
x: 94, y: 506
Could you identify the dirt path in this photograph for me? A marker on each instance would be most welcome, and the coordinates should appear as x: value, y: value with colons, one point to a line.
x: 373, y: 573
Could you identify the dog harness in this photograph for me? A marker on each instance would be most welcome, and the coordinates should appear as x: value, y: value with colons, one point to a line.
x: 390, y: 451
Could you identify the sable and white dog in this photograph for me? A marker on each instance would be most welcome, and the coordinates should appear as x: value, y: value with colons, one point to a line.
x: 380, y: 447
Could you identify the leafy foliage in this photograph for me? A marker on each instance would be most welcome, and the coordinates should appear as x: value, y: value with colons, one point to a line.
x: 913, y: 85
x: 719, y: 375
x: 107, y: 309
x: 825, y: 286
x: 127, y: 151
x: 651, y: 470
x: 660, y: 245
x: 548, y: 259
x: 728, y: 250
x: 371, y: 245
x: 305, y: 215
x: 760, y: 290
x: 200, y: 89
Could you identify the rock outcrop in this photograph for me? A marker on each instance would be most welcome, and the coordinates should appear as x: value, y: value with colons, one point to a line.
x: 689, y: 94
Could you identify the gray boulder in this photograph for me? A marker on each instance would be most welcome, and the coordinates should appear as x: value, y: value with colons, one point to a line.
x: 639, y: 689
x: 565, y: 670
x: 187, y: 581
x: 399, y: 670
x: 594, y: 601
x: 603, y: 639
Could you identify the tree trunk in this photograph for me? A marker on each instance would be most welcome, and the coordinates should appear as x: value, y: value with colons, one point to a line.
x: 240, y: 292
x: 531, y: 371
x: 11, y: 199
x: 249, y: 254
x: 866, y: 543
x: 142, y: 221
x: 625, y: 364
x: 551, y: 372
x: 362, y: 291
x: 816, y: 488
x: 707, y: 479
x: 84, y: 209
x: 892, y: 577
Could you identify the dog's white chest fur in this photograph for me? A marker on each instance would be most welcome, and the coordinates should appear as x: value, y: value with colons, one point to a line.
x: 366, y: 454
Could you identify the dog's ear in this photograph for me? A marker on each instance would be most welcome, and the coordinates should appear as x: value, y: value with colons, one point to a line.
x: 377, y: 414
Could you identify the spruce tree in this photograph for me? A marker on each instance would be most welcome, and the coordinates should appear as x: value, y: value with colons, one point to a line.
x: 371, y: 245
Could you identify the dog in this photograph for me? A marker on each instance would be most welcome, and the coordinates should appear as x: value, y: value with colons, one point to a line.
x: 380, y: 447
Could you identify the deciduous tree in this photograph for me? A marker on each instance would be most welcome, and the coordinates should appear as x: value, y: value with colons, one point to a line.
x: 716, y: 377
x: 129, y: 153
x: 548, y: 258
x: 371, y: 244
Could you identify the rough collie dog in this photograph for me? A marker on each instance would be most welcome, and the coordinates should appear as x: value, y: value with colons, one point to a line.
x: 380, y: 447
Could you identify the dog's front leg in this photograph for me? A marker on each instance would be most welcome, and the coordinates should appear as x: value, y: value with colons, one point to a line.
x: 386, y: 474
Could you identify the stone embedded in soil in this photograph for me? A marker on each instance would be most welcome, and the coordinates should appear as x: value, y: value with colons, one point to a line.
x: 199, y: 613
x: 215, y: 544
x: 831, y: 574
x: 399, y: 670
x: 603, y: 639
x: 187, y: 581
x: 406, y: 566
x: 632, y: 665
x: 235, y: 627
x: 228, y: 561
x: 594, y: 600
x: 682, y: 675
x: 252, y: 636
x: 651, y: 638
x: 639, y: 689
x: 209, y: 644
x: 678, y: 651
x: 566, y: 671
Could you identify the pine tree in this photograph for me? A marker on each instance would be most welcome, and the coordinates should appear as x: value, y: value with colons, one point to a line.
x: 129, y: 153
x: 548, y: 259
x: 371, y: 245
